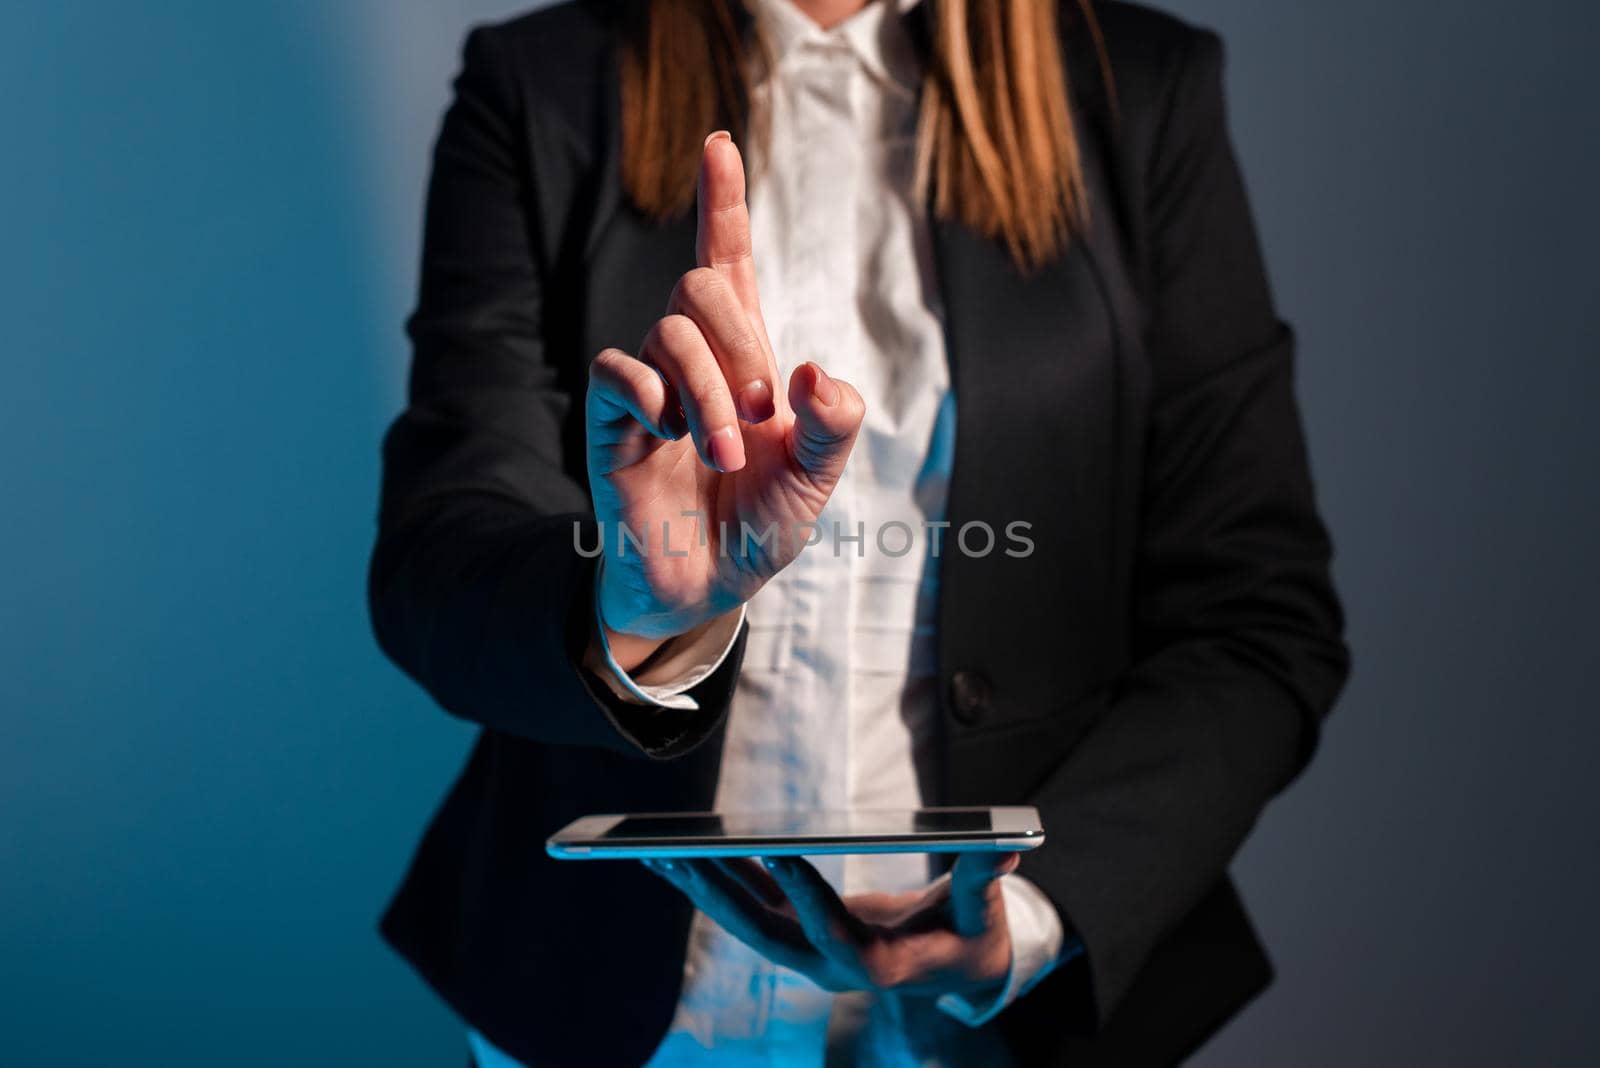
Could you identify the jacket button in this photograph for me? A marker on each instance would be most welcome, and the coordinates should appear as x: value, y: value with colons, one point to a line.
x: 970, y: 696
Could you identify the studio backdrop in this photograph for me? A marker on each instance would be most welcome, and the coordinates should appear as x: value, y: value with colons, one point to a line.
x: 210, y: 780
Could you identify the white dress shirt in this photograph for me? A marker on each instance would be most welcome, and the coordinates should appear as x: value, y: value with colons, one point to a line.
x: 836, y: 701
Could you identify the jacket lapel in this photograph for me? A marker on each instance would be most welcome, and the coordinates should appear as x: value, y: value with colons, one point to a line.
x: 1034, y: 366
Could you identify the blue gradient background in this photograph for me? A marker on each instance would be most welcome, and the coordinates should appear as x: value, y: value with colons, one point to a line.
x: 210, y: 780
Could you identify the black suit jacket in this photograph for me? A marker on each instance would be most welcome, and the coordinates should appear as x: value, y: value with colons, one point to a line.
x: 1149, y: 677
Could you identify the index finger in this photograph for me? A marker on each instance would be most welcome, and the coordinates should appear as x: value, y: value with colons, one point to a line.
x: 826, y: 919
x: 722, y: 899
x: 722, y: 240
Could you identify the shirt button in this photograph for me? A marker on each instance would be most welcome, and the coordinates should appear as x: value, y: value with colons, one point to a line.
x: 971, y: 697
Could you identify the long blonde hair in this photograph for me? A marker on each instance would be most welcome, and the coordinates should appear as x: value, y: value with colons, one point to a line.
x: 995, y: 142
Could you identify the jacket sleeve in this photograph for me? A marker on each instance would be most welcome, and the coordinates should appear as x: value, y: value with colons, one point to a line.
x: 477, y: 589
x: 1237, y: 630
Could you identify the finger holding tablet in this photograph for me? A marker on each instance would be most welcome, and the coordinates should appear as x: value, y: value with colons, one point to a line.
x: 951, y: 937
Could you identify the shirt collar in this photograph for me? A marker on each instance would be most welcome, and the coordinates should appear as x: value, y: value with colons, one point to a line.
x: 877, y: 34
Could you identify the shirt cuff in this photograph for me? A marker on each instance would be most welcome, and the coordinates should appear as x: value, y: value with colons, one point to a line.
x: 681, y: 664
x: 1039, y: 944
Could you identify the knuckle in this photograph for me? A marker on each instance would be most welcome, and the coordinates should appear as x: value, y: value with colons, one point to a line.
x: 820, y: 441
x: 681, y: 296
x: 607, y: 361
x: 651, y: 346
x: 698, y: 380
x: 678, y: 334
x: 744, y: 348
x: 613, y: 372
x: 710, y: 397
x: 732, y: 252
x: 699, y: 286
x: 883, y: 968
x: 733, y: 235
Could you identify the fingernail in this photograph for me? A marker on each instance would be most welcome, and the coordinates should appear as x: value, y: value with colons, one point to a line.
x: 674, y: 422
x: 755, y: 402
x: 717, y: 135
x: 825, y: 389
x: 722, y: 445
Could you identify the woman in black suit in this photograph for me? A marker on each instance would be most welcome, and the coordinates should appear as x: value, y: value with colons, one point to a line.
x: 1105, y: 358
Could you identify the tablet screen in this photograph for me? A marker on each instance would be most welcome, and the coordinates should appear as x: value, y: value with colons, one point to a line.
x: 770, y: 825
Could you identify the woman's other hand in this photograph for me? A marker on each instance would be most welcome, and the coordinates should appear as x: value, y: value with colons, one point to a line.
x: 694, y: 448
x: 948, y: 938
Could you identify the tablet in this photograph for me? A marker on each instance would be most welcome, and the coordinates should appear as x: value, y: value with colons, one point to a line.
x: 776, y: 834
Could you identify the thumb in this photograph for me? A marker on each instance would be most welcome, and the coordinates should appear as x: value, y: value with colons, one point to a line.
x: 973, y: 883
x: 827, y: 416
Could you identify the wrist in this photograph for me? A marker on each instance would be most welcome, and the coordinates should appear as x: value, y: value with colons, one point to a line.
x: 663, y: 675
x: 640, y: 636
x: 629, y: 651
x: 631, y: 632
x: 624, y: 648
